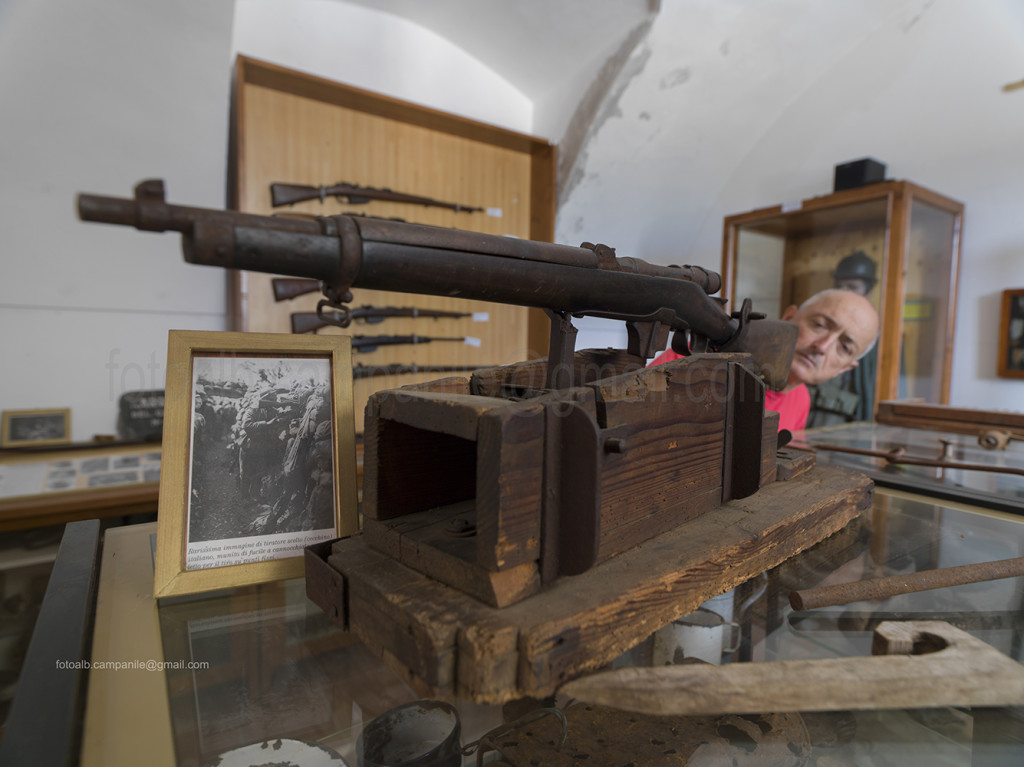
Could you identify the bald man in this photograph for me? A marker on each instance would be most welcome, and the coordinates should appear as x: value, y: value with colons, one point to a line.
x: 836, y: 328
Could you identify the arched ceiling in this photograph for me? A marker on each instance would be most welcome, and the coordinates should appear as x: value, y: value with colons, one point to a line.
x: 531, y: 43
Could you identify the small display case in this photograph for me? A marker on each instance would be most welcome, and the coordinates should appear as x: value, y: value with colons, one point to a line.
x: 894, y: 240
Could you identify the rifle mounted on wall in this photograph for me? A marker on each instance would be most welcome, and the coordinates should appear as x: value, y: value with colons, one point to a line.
x: 354, y: 194
x: 360, y: 370
x: 345, y: 252
x: 305, y: 322
x: 371, y: 343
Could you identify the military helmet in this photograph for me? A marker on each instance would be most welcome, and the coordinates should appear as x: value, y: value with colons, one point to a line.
x: 857, y: 266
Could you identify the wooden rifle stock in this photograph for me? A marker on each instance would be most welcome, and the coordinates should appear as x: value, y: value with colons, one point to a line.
x: 286, y: 288
x: 307, y: 322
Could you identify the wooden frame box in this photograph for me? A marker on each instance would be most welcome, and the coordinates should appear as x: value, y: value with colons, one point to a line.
x: 498, y: 497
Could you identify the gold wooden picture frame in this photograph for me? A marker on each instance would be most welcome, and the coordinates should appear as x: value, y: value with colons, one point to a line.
x: 1011, y: 335
x: 258, y: 457
x: 36, y: 428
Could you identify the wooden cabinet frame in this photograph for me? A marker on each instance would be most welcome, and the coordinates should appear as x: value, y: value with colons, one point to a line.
x: 292, y: 127
x: 895, y: 200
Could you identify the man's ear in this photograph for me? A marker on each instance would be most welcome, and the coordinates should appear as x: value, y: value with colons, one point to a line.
x: 790, y: 313
x: 849, y: 367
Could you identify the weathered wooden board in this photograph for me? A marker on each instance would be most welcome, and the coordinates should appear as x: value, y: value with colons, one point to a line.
x: 793, y: 463
x: 447, y: 642
x: 422, y: 542
x: 916, y: 664
x: 917, y: 414
x: 672, y: 420
x: 599, y: 736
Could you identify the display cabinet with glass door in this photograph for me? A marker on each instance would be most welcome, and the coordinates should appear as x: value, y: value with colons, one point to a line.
x: 893, y: 241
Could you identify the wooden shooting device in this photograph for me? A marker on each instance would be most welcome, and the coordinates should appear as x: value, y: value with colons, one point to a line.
x: 490, y: 501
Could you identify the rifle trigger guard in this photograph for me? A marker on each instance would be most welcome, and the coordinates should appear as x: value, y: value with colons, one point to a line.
x: 340, y: 315
x: 687, y: 342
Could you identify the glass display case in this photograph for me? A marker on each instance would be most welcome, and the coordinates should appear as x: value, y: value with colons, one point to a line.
x: 893, y: 241
x: 956, y: 467
x: 255, y: 672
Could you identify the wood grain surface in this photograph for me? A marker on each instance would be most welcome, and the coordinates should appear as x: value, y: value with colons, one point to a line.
x: 294, y: 128
x: 447, y: 642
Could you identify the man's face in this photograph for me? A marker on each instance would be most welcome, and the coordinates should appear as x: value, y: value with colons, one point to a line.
x: 833, y: 332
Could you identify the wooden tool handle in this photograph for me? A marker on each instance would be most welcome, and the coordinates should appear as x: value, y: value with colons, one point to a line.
x: 879, y: 588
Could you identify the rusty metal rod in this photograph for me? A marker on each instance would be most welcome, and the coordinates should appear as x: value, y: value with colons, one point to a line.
x: 897, y: 456
x: 880, y: 588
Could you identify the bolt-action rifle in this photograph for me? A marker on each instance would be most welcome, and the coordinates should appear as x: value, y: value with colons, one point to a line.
x: 370, y: 343
x: 344, y: 252
x: 354, y: 194
x: 306, y: 322
x: 360, y: 370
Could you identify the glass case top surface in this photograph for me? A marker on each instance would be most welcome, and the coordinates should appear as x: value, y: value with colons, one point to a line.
x: 906, y: 458
x: 264, y: 665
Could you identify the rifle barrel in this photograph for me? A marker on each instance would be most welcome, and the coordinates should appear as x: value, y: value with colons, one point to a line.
x: 352, y: 252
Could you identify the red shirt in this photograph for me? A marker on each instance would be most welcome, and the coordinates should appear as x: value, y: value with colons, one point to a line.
x: 666, y: 356
x: 792, y: 406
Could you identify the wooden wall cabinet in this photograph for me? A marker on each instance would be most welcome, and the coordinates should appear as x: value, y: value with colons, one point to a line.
x: 292, y: 127
x: 783, y: 254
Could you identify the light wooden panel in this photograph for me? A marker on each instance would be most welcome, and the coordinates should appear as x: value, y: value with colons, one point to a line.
x: 294, y: 128
x: 811, y: 260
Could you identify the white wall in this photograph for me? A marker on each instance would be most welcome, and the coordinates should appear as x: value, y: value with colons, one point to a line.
x: 99, y: 94
x: 380, y: 52
x: 96, y: 95
x: 742, y: 104
x: 733, y: 105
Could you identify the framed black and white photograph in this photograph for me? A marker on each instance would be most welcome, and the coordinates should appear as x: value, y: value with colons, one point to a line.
x: 32, y: 428
x: 258, y: 458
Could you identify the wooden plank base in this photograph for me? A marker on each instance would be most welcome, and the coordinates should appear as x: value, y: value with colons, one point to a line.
x: 914, y: 664
x: 448, y: 643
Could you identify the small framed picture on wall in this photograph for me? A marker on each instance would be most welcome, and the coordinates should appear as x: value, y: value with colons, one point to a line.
x: 36, y: 428
x: 1011, y: 335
